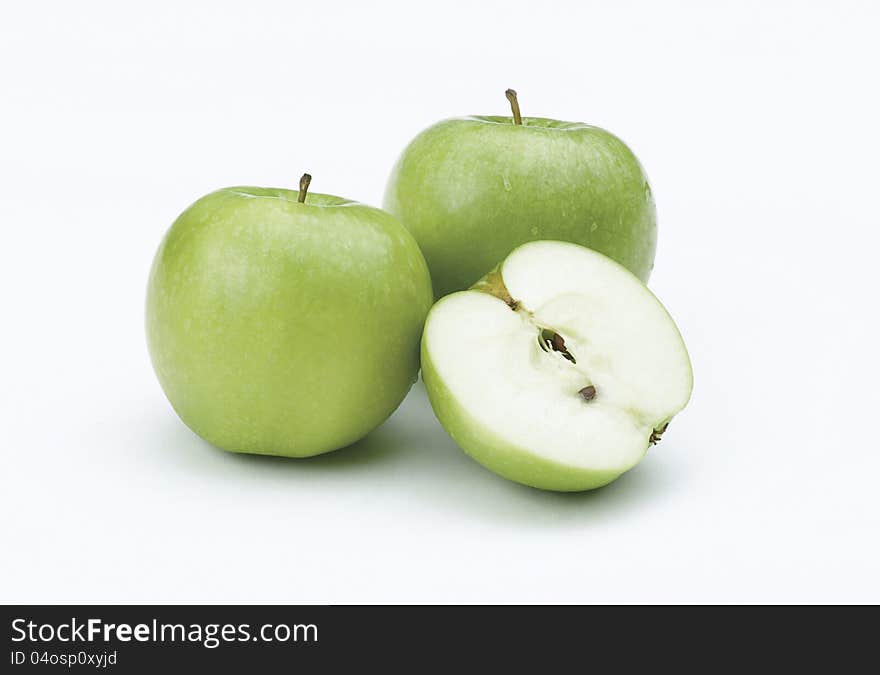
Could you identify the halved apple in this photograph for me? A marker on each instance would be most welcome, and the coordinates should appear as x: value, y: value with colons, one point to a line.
x: 557, y: 370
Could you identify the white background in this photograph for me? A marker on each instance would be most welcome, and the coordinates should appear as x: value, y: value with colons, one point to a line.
x: 757, y: 123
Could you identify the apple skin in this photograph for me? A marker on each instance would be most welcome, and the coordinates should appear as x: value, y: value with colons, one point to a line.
x: 497, y: 454
x: 472, y: 189
x: 283, y: 328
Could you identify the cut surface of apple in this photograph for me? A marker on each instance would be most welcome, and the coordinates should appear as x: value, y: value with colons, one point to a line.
x: 557, y: 370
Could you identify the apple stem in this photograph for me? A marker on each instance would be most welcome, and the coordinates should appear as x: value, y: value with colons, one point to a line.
x: 304, y: 187
x: 514, y: 106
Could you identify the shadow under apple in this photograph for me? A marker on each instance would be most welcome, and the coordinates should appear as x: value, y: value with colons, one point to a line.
x: 411, y: 459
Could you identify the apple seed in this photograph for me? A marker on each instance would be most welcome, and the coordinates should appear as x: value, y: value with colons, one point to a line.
x: 588, y: 393
x: 551, y: 340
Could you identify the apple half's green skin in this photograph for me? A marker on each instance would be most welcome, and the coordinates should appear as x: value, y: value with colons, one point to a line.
x: 568, y: 415
x: 472, y: 189
x: 285, y: 328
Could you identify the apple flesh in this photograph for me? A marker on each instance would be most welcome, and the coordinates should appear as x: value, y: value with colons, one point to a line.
x: 285, y: 328
x: 557, y: 370
x: 472, y: 189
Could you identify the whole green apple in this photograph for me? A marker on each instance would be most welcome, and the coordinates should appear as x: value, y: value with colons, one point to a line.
x: 471, y: 189
x: 285, y: 324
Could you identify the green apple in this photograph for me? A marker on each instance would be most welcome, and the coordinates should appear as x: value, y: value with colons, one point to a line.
x: 282, y: 324
x: 557, y: 370
x: 471, y: 189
